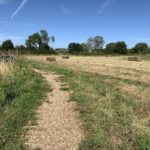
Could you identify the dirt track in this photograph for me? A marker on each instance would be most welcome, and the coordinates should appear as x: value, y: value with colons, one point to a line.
x: 59, y: 126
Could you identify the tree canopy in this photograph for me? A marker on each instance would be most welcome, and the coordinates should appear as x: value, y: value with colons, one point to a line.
x: 34, y: 41
x: 7, y: 45
x: 121, y: 47
x: 39, y: 40
x: 111, y: 48
x: 116, y: 48
x: 38, y: 43
x: 96, y: 42
x: 75, y: 48
x: 140, y: 48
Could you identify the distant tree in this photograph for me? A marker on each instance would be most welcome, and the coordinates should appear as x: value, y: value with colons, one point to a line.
x: 121, y: 47
x: 96, y: 42
x: 110, y: 48
x: 75, y: 48
x: 7, y: 45
x: 140, y: 48
x: 40, y: 42
x: 116, y: 48
x: 44, y: 37
x: 21, y: 49
x: 61, y: 51
x: 34, y: 41
x: 44, y: 46
x: 86, y: 49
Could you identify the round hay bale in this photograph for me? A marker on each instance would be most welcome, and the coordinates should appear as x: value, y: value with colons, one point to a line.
x: 134, y: 58
x: 65, y: 57
x: 51, y: 59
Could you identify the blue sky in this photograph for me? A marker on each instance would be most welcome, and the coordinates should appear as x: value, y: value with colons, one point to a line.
x: 76, y: 20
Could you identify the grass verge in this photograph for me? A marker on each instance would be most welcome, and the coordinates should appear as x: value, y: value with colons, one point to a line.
x: 112, y: 120
x: 20, y: 95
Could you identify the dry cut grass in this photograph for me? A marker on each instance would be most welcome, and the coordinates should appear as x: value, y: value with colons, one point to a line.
x: 118, y: 67
x: 133, y: 77
x: 116, y: 92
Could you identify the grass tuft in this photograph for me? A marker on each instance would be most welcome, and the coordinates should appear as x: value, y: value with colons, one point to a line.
x: 6, y: 69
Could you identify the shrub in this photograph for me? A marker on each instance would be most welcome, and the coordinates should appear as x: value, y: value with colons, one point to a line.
x: 140, y: 48
x: 116, y: 48
x: 75, y: 48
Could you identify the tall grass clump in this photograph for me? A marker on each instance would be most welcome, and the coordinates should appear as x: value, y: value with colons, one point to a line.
x: 21, y: 92
x: 6, y: 69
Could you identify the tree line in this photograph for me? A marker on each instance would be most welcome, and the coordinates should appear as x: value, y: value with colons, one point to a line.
x: 38, y: 43
x: 95, y: 46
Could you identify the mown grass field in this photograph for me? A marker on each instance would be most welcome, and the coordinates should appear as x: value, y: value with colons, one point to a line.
x: 112, y: 96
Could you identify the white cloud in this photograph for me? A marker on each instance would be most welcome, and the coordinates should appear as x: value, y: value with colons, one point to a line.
x: 23, y: 3
x: 64, y: 9
x: 104, y: 6
x: 2, y: 2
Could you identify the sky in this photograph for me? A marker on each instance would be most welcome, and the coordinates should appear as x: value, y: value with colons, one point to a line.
x: 76, y: 20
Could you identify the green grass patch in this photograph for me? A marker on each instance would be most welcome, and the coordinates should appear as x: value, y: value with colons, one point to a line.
x: 20, y: 96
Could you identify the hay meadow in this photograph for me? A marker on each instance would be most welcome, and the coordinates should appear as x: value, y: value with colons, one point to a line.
x: 112, y: 96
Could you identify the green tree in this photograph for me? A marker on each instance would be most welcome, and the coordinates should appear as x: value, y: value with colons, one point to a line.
x: 110, y: 48
x: 140, y: 48
x: 75, y: 48
x: 96, y: 42
x: 116, y: 48
x: 7, y: 45
x: 44, y: 37
x: 34, y: 41
x: 121, y: 48
x: 86, y: 49
x: 21, y: 49
x: 40, y: 41
x: 44, y: 46
x: 61, y: 51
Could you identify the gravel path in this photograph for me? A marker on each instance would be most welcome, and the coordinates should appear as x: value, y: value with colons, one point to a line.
x: 59, y: 126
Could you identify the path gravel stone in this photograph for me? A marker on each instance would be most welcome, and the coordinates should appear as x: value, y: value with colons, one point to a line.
x: 58, y: 126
